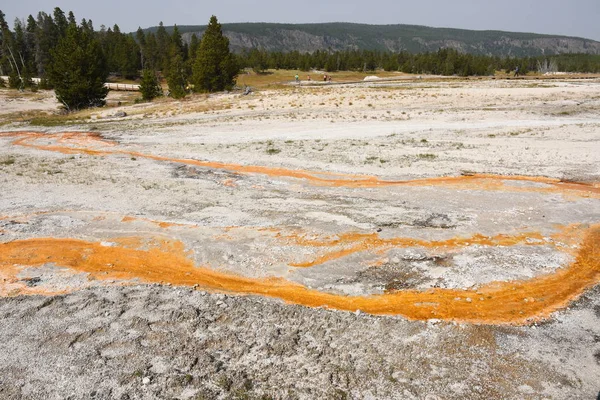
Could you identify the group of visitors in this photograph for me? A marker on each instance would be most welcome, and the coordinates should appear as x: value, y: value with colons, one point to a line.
x: 326, y: 78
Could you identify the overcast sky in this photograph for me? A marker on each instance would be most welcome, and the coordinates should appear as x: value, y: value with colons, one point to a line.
x: 573, y: 18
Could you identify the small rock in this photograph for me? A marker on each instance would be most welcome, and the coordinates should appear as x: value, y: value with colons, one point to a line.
x: 146, y: 380
x: 31, y: 282
x: 221, y: 304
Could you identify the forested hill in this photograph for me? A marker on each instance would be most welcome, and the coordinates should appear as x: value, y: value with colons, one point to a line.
x: 394, y: 38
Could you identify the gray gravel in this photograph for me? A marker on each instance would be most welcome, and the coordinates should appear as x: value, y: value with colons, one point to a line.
x: 152, y: 342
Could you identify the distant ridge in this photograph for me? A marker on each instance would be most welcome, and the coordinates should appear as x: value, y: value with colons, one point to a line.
x: 412, y: 38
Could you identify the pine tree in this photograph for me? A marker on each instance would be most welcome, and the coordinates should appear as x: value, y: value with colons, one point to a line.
x: 60, y: 21
x: 21, y: 52
x: 46, y: 37
x: 6, y: 66
x: 87, y: 25
x: 163, y: 40
x: 141, y: 40
x: 177, y: 42
x: 121, y: 51
x: 193, y: 47
x: 78, y: 70
x: 14, y: 80
x: 192, y: 51
x: 258, y: 61
x: 149, y: 86
x: 215, y: 68
x: 10, y: 53
x: 31, y: 45
x: 151, y: 54
x: 177, y: 77
x: 71, y: 19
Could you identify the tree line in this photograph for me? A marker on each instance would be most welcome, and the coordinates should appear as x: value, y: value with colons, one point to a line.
x: 75, y: 59
x: 443, y: 62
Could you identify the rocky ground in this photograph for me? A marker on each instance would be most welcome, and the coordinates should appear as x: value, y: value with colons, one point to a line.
x: 137, y: 257
x: 152, y: 342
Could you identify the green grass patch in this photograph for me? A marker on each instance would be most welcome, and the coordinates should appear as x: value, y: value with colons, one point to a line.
x: 272, y: 150
x: 8, y: 161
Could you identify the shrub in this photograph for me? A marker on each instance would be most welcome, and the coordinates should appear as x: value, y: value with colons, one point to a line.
x: 14, y: 82
x: 45, y: 84
x: 176, y: 78
x: 149, y: 87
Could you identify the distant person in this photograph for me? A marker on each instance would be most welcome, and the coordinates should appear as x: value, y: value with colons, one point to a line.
x: 328, y: 78
x: 325, y: 78
x: 517, y: 71
x: 308, y: 78
x: 297, y: 78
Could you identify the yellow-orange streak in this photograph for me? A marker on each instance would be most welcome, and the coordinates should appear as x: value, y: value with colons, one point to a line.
x: 161, y: 224
x: 29, y: 139
x: 361, y: 242
x: 515, y: 302
x: 475, y: 181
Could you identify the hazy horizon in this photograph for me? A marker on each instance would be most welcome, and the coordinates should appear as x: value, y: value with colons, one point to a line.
x: 579, y: 18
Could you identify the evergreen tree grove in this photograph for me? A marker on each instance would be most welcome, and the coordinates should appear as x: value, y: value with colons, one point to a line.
x: 215, y: 68
x: 78, y: 70
x: 31, y: 50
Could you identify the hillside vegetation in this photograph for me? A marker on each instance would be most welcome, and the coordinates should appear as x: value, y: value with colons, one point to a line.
x: 392, y: 38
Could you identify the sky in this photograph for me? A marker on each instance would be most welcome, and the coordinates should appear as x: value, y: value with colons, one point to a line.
x: 572, y: 18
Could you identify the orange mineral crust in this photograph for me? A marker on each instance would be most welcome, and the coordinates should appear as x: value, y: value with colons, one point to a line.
x: 362, y: 242
x: 94, y: 145
x: 515, y: 302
